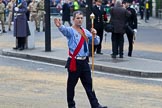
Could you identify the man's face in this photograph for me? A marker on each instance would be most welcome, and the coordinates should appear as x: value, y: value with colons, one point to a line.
x: 127, y: 4
x: 99, y: 2
x: 78, y: 20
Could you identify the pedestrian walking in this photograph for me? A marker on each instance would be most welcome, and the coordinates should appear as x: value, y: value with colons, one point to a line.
x: 98, y: 11
x: 21, y: 27
x: 2, y: 15
x: 119, y: 15
x: 10, y: 6
x: 77, y: 63
x: 66, y: 13
x: 131, y: 28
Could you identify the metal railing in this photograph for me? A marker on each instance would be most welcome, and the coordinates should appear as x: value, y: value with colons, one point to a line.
x: 54, y: 11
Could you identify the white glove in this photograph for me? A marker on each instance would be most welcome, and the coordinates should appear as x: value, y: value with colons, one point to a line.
x: 16, y: 9
x: 135, y: 33
x: 135, y: 30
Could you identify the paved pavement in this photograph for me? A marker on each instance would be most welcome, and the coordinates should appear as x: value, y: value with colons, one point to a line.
x: 126, y: 66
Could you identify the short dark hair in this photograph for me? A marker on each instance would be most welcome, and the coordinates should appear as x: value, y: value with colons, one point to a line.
x: 128, y: 1
x: 98, y: 1
x: 77, y: 12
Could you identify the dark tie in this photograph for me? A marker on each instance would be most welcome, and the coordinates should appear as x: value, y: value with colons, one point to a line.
x: 85, y: 47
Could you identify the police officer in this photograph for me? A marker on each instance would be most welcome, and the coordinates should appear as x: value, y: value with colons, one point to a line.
x: 33, y: 12
x: 132, y: 23
x: 21, y: 28
x: 10, y: 6
x: 41, y: 12
x: 2, y: 9
x: 77, y: 64
x: 99, y: 13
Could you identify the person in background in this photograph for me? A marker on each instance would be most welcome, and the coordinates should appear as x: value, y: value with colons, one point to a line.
x: 98, y: 11
x: 59, y: 7
x: 21, y: 27
x: 66, y: 13
x: 76, y: 5
x: 134, y: 6
x: 147, y: 10
x: 5, y: 2
x: 141, y: 9
x: 119, y: 15
x: 28, y: 12
x: 82, y: 4
x: 10, y: 6
x: 77, y: 63
x: 2, y: 15
x: 32, y: 7
x: 41, y: 12
x: 132, y: 23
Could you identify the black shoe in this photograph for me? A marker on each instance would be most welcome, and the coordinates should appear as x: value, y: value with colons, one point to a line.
x: 99, y: 53
x: 121, y: 56
x: 113, y: 56
x: 4, y: 31
x: 100, y: 106
x: 129, y: 55
x: 38, y: 29
x: 72, y: 107
x: 15, y: 48
x: 9, y: 29
x: 21, y: 48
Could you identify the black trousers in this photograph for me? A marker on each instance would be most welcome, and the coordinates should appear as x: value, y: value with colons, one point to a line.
x: 147, y: 14
x: 21, y: 42
x: 98, y: 47
x: 130, y: 41
x: 141, y: 13
x: 84, y: 73
x: 117, y: 43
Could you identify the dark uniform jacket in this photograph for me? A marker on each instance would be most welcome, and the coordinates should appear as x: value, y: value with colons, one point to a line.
x: 66, y: 12
x: 132, y: 20
x: 99, y: 17
x: 119, y: 15
x: 21, y: 27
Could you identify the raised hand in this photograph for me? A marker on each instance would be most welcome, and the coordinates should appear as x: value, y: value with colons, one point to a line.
x: 57, y: 22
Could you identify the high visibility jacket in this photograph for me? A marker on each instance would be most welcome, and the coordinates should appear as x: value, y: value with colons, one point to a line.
x: 76, y: 5
x: 147, y: 6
